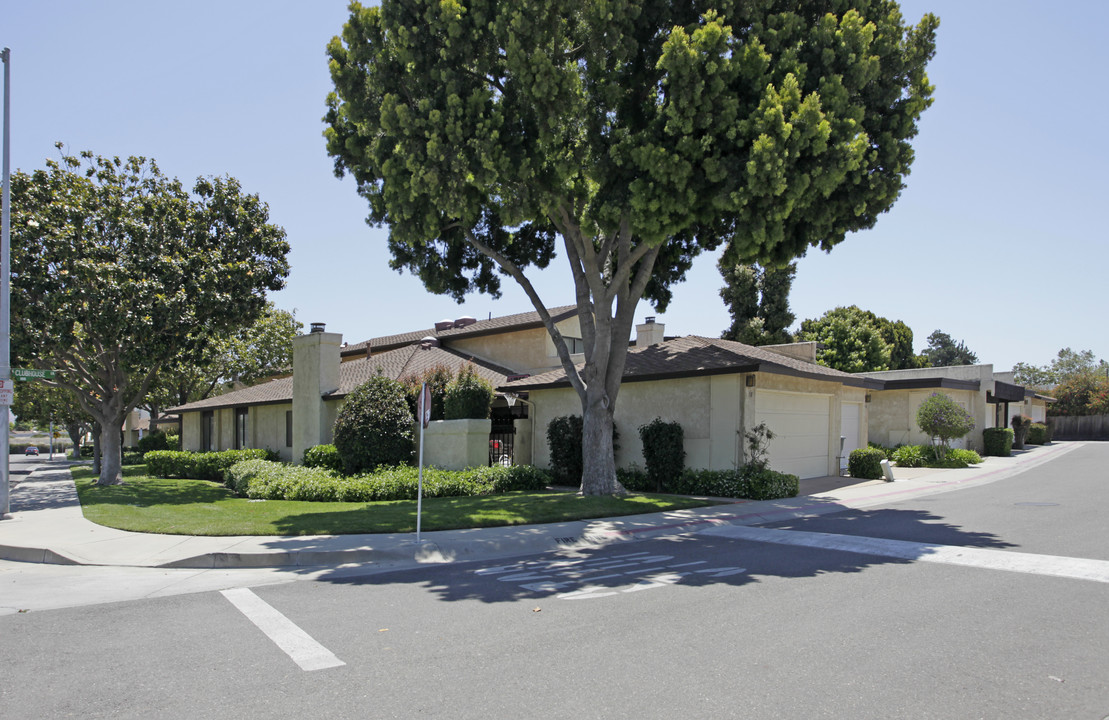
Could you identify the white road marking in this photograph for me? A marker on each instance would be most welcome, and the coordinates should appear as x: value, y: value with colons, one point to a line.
x: 297, y: 644
x: 1053, y: 565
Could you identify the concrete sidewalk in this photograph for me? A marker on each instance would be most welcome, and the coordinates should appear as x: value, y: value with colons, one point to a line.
x: 47, y: 526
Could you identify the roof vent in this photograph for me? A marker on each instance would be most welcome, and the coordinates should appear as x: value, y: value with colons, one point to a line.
x: 444, y: 325
x: 429, y: 342
x: 317, y: 328
x: 464, y: 321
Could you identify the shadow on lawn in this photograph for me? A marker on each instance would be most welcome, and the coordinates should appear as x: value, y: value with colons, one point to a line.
x: 686, y: 560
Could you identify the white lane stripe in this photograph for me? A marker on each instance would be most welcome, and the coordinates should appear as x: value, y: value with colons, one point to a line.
x: 297, y: 644
x: 1058, y: 566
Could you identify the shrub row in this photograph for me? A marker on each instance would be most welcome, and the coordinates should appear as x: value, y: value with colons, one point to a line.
x: 260, y: 479
x: 927, y: 456
x: 324, y: 456
x: 749, y: 482
x: 199, y: 465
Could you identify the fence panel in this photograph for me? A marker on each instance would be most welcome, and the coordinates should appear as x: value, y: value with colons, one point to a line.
x: 1080, y: 427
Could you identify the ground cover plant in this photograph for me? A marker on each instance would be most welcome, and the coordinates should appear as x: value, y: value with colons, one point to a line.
x: 198, y: 507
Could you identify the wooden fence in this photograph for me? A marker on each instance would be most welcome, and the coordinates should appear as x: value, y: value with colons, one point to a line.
x: 1080, y: 427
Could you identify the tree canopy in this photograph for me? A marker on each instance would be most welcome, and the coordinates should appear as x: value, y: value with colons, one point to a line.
x: 117, y: 271
x: 632, y: 134
x: 852, y: 343
x: 1077, y: 379
x: 758, y: 301
x: 943, y: 351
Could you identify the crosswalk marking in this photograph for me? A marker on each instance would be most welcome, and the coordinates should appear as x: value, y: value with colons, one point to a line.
x: 297, y: 644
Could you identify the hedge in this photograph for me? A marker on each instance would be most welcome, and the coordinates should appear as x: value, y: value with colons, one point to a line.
x: 199, y: 465
x: 865, y: 463
x: 259, y: 479
x: 748, y: 482
x: 324, y: 456
x: 997, y: 441
x: 1037, y: 434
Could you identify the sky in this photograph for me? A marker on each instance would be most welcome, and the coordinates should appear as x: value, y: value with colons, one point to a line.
x: 998, y: 238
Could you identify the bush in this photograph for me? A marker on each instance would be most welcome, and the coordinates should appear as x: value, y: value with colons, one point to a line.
x: 865, y: 463
x: 1037, y: 434
x: 564, y: 442
x: 1020, y: 424
x: 277, y: 481
x: 663, y: 450
x: 199, y: 465
x: 374, y: 426
x: 908, y: 456
x: 750, y: 481
x: 467, y: 396
x: 997, y: 441
x: 323, y: 456
x: 437, y: 378
x: 156, y: 440
x: 887, y: 452
x: 942, y: 419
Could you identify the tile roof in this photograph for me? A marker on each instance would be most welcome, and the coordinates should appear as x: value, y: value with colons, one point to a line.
x: 507, y: 323
x: 694, y: 355
x: 395, y: 364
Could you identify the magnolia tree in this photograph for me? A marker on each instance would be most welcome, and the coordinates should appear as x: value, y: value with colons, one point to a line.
x: 118, y: 271
x: 628, y: 135
x: 944, y: 420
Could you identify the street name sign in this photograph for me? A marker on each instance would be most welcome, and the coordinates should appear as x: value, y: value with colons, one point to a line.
x: 32, y: 374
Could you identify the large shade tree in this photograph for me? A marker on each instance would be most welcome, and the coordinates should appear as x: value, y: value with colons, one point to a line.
x: 118, y: 271
x: 758, y: 301
x: 630, y: 134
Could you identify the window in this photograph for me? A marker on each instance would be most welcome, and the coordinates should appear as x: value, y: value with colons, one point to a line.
x: 574, y: 345
x: 207, y: 427
x: 240, y: 428
x: 288, y: 428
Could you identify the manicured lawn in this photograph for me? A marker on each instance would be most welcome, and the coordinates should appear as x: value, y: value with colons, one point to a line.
x: 198, y: 507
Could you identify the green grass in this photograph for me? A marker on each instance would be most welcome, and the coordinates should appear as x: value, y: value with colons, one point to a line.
x: 199, y: 507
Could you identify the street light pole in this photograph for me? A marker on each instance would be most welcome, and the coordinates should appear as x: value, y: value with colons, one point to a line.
x: 5, y: 287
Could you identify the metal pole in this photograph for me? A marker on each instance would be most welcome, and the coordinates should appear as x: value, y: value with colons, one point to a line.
x: 420, y: 483
x: 5, y: 287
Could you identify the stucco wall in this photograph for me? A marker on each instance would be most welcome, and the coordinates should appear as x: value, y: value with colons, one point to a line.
x: 190, y: 431
x: 893, y: 416
x: 266, y: 429
x: 455, y: 444
x: 980, y: 410
x: 525, y: 351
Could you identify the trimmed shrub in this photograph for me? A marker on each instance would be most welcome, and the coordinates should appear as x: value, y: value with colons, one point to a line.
x: 1037, y: 434
x: 997, y: 441
x: 750, y: 481
x: 634, y: 479
x: 1020, y: 425
x: 887, y: 452
x: 943, y: 419
x: 276, y: 481
x: 909, y: 456
x: 156, y: 440
x: 865, y: 463
x: 323, y: 456
x: 467, y: 396
x: 374, y: 426
x: 564, y: 441
x: 764, y: 484
x: 663, y: 450
x: 199, y: 465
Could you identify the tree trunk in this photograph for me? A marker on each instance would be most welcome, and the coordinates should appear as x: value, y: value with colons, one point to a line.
x: 74, y: 432
x: 96, y: 464
x: 111, y: 465
x: 598, y: 459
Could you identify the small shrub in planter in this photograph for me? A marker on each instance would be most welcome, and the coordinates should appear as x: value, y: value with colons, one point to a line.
x: 1037, y: 434
x: 865, y: 463
x: 323, y: 456
x: 374, y: 426
x: 908, y: 456
x: 663, y: 451
x: 943, y: 419
x: 997, y: 441
x: 467, y: 396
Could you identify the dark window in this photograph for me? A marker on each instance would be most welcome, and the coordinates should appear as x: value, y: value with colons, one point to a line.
x: 574, y: 345
x: 207, y: 426
x: 288, y: 428
x: 240, y: 428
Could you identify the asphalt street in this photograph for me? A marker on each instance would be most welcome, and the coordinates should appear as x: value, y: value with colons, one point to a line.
x: 700, y: 625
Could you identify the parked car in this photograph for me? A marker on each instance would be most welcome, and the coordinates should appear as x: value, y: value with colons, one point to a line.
x: 31, y: 450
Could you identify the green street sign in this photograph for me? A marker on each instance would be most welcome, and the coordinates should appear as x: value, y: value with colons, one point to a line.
x: 32, y: 374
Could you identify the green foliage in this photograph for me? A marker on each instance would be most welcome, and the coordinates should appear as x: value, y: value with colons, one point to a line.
x: 958, y: 458
x: 909, y: 456
x: 942, y: 419
x: 154, y: 440
x: 1020, y: 424
x: 564, y: 443
x: 931, y: 456
x: 324, y: 456
x: 997, y: 441
x: 758, y: 300
x: 374, y: 426
x: 852, y: 341
x: 437, y: 378
x: 467, y: 396
x: 887, y: 452
x: 865, y: 463
x: 663, y: 450
x: 757, y: 442
x: 943, y: 351
x: 1081, y: 394
x: 1037, y: 434
x: 199, y: 465
x: 750, y: 482
x: 277, y: 481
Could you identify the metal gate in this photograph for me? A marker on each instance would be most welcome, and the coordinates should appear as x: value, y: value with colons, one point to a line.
x: 502, y: 442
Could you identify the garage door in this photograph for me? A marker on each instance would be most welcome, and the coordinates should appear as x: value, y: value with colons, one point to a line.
x: 800, y: 423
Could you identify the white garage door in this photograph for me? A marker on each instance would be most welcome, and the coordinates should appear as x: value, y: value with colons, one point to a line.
x: 800, y: 423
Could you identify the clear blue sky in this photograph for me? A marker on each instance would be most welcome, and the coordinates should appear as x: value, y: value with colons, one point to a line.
x: 999, y: 238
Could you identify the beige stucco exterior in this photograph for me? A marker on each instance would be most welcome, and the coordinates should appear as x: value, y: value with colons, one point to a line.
x: 527, y: 351
x: 316, y: 359
x: 455, y: 444
x: 714, y: 412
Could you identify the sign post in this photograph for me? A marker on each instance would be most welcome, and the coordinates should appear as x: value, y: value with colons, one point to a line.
x: 5, y: 280
x: 425, y: 418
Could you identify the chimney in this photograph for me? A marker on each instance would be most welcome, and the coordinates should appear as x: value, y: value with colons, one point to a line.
x: 649, y: 333
x: 316, y: 358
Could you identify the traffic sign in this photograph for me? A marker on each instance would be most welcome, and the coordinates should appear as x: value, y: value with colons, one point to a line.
x: 7, y: 393
x: 32, y: 374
